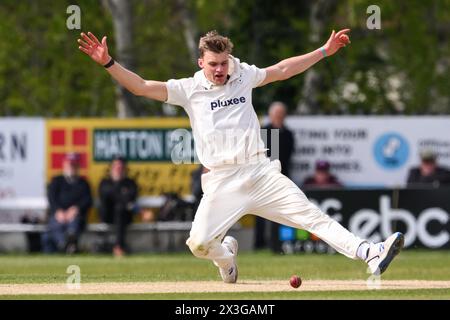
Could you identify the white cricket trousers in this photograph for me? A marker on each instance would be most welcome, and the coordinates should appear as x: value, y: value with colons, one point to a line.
x: 259, y: 189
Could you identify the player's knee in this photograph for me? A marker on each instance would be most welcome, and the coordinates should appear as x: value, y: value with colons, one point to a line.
x: 198, y: 248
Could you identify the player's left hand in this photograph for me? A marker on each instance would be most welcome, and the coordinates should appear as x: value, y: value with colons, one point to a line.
x: 337, y: 41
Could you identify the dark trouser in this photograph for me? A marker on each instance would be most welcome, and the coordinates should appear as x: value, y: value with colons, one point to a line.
x: 260, y: 238
x: 120, y: 217
x: 59, y: 234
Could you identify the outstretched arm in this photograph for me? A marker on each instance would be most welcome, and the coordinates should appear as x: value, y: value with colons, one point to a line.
x: 98, y: 51
x: 292, y: 66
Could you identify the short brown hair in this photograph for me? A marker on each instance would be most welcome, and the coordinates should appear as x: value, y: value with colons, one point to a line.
x: 213, y: 41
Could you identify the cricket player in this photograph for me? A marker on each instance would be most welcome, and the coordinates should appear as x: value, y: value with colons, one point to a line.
x: 241, y: 179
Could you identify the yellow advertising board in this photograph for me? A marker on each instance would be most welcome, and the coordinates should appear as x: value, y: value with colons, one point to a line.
x: 144, y: 142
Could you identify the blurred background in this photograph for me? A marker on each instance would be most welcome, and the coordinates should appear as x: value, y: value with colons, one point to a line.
x: 401, y: 68
x: 370, y: 125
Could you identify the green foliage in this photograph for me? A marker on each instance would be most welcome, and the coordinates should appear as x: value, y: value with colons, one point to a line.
x: 42, y: 72
x: 402, y: 68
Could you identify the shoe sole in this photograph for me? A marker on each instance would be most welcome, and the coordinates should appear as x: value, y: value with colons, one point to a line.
x: 234, y: 261
x: 394, y: 250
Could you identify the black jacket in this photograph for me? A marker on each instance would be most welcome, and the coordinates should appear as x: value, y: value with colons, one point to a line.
x: 286, y: 148
x: 122, y: 193
x: 62, y: 195
x: 441, y: 176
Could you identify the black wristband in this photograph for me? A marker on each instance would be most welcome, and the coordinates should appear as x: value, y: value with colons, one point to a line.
x: 109, y: 64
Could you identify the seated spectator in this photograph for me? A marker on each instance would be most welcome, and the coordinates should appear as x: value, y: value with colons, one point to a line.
x: 322, y: 177
x: 69, y: 197
x: 429, y: 172
x: 118, y: 194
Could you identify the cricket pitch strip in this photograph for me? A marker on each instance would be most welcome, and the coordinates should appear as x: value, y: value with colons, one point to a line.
x: 216, y: 286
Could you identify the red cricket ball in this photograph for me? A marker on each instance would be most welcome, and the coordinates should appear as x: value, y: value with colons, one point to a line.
x: 295, y: 281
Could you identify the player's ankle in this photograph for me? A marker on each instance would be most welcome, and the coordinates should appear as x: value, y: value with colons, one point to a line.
x: 363, y: 250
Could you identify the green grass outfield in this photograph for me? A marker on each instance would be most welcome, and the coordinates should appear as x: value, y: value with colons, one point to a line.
x: 409, y: 265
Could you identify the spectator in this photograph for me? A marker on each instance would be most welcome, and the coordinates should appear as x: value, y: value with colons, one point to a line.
x: 118, y: 194
x: 70, y: 198
x: 196, y: 185
x: 277, y: 115
x: 322, y: 177
x: 429, y: 173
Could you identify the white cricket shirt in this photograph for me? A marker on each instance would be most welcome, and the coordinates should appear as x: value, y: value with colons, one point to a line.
x: 224, y: 123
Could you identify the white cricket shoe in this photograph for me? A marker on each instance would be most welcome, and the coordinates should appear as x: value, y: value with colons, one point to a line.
x: 380, y: 254
x: 230, y: 275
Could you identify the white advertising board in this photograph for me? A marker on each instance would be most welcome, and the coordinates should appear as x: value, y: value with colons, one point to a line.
x: 367, y: 151
x: 22, y: 161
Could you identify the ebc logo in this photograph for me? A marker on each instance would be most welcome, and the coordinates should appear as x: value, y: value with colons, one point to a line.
x: 227, y: 102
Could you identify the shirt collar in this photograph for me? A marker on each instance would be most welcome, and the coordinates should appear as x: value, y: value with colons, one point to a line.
x: 203, y: 81
x: 234, y: 69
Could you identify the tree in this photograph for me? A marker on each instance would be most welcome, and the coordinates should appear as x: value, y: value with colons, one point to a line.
x: 403, y: 68
x: 190, y: 30
x: 319, y: 14
x: 122, y: 15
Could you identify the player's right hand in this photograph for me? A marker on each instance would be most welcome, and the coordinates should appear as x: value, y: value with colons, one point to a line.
x: 90, y: 45
x: 337, y: 41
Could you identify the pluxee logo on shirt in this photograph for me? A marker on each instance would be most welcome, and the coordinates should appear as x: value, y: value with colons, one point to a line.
x: 226, y: 103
